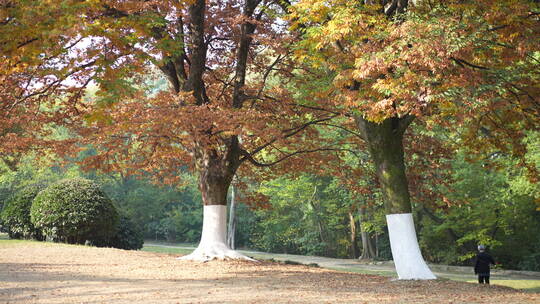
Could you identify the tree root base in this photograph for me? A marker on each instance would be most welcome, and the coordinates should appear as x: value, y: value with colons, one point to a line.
x: 219, y: 252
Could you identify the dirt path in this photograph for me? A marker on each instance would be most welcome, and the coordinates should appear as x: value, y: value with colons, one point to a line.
x: 51, y: 273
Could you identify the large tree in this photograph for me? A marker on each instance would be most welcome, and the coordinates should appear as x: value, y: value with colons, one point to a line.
x: 227, y: 101
x: 441, y: 63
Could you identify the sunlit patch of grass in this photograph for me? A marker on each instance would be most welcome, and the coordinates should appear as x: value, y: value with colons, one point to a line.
x: 363, y: 271
x: 525, y: 285
x: 4, y: 243
x: 151, y: 242
x: 11, y: 243
x: 168, y: 250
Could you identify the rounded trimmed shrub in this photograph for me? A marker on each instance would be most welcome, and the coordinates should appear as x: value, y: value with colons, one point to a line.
x: 74, y: 211
x: 15, y: 215
x: 127, y: 236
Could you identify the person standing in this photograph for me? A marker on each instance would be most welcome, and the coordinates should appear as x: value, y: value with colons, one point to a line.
x: 481, y: 266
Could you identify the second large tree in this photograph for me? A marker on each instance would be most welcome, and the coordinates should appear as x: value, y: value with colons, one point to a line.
x: 444, y: 63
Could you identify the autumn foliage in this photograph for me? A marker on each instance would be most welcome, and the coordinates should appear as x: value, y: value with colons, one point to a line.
x: 444, y: 62
x: 230, y: 99
x: 227, y: 103
x: 463, y: 65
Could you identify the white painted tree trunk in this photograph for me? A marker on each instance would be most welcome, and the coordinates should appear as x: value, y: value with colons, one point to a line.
x: 408, y: 260
x: 213, y: 240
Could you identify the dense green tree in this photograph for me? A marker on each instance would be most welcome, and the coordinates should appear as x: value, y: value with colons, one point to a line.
x: 15, y: 214
x: 162, y: 212
x: 494, y: 203
x: 74, y: 211
x: 306, y: 214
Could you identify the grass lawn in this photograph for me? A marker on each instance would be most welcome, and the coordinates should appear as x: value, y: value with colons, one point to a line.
x: 166, y: 250
x: 364, y: 271
x: 4, y: 242
x: 525, y: 285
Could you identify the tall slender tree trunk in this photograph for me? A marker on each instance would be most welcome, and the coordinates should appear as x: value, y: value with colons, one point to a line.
x: 232, y: 219
x: 385, y: 143
x: 316, y: 213
x: 368, y: 250
x: 354, y: 244
x: 377, y: 244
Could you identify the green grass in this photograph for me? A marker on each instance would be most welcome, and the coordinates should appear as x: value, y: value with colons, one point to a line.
x: 525, y: 285
x: 10, y: 243
x: 363, y: 271
x: 160, y: 242
x: 159, y: 249
x: 14, y: 243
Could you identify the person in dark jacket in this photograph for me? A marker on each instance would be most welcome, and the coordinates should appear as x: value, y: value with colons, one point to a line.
x: 481, y: 266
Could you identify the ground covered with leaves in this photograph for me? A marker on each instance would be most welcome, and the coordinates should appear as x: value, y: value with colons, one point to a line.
x: 32, y: 272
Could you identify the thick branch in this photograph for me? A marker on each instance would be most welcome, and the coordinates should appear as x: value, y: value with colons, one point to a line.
x: 169, y: 70
x: 404, y: 123
x: 198, y: 52
x: 247, y: 30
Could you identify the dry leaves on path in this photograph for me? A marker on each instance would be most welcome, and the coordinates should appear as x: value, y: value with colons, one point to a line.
x: 50, y: 273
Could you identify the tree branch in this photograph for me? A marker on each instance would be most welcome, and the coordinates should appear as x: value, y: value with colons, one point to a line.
x: 247, y: 30
x: 404, y: 123
x: 194, y: 81
x: 464, y: 63
x: 249, y: 157
x: 292, y: 132
x: 344, y: 129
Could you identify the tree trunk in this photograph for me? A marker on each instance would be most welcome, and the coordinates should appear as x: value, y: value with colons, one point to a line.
x: 316, y: 215
x: 232, y: 219
x: 368, y: 250
x: 377, y: 244
x: 354, y: 244
x: 385, y: 142
x: 215, y: 176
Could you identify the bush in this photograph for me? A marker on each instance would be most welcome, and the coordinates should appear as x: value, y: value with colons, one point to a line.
x: 126, y: 236
x: 74, y: 211
x: 15, y: 215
